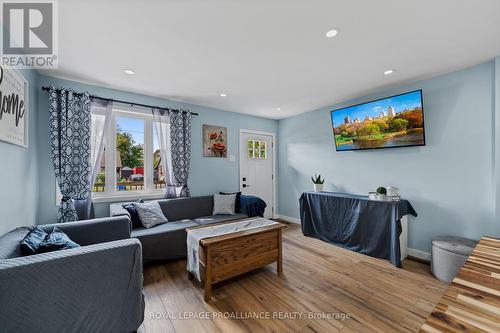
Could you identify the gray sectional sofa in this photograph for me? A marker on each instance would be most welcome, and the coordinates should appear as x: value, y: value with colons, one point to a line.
x: 168, y: 240
x: 93, y: 288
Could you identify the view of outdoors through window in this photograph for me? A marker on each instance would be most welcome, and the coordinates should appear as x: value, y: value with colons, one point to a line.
x: 130, y: 158
x: 257, y: 149
x: 158, y: 172
x: 100, y: 180
x: 129, y: 154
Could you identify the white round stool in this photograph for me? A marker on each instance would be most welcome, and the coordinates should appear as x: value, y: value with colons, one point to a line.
x: 448, y: 256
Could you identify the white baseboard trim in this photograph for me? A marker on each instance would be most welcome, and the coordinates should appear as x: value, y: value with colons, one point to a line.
x: 288, y: 218
x: 419, y: 254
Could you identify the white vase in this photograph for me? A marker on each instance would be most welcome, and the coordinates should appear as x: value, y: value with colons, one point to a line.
x: 318, y: 187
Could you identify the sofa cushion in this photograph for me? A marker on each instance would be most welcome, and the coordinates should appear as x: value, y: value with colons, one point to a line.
x: 165, y: 241
x: 205, y: 220
x: 162, y: 228
x: 187, y: 208
x: 150, y: 213
x: 10, y: 243
x: 224, y: 204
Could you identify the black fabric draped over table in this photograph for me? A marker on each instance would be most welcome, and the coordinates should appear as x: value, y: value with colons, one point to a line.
x: 356, y: 223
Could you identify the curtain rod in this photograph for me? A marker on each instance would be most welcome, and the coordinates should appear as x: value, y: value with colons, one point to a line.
x: 125, y: 102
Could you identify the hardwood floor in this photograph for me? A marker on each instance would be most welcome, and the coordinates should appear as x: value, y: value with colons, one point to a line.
x: 319, y: 283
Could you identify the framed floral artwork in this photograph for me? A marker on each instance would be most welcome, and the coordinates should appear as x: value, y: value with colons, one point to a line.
x: 214, y: 141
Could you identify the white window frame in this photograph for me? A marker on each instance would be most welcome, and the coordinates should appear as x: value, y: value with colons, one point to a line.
x: 111, y: 194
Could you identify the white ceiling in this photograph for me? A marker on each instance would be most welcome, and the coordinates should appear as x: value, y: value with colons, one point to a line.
x: 266, y: 54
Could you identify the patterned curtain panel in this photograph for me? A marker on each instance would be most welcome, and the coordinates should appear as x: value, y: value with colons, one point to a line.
x: 69, y: 117
x: 180, y: 144
x: 100, y: 111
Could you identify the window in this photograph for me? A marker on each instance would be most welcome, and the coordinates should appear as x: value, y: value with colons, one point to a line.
x: 159, y: 180
x: 257, y: 149
x: 131, y: 163
x: 129, y: 159
x: 100, y: 179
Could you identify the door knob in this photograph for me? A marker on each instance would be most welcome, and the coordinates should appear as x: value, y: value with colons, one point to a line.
x: 245, y: 185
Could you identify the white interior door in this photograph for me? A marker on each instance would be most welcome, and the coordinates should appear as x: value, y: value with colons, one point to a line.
x: 257, y: 167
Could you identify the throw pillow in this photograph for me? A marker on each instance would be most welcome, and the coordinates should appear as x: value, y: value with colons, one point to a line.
x: 237, y: 205
x: 56, y: 240
x: 150, y: 213
x: 31, y: 243
x: 38, y: 241
x: 134, y: 217
x: 224, y: 204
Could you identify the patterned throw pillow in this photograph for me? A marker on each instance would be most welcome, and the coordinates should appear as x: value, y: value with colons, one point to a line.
x: 224, y: 204
x: 237, y: 205
x: 150, y: 213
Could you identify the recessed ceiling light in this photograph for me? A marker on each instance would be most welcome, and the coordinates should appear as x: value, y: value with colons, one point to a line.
x: 129, y: 71
x: 278, y: 109
x: 223, y: 95
x: 332, y: 33
x: 389, y: 72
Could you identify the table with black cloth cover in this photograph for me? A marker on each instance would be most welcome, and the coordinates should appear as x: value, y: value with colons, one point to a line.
x: 356, y: 223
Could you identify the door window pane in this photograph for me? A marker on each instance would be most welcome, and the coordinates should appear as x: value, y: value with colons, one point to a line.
x: 257, y: 149
x: 129, y: 154
x: 250, y: 148
x: 263, y: 149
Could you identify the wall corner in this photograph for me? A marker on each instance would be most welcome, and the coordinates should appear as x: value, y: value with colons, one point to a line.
x: 496, y: 136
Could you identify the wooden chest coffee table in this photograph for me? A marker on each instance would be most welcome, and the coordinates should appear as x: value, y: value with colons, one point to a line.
x: 229, y: 255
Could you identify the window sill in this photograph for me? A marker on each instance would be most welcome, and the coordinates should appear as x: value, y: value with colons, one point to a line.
x: 103, y: 198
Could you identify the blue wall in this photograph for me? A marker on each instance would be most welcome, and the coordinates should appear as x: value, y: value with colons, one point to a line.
x: 19, y: 190
x: 208, y: 175
x: 450, y: 181
x: 453, y: 182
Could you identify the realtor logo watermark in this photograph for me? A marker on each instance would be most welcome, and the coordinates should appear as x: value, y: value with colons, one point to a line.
x: 29, y: 36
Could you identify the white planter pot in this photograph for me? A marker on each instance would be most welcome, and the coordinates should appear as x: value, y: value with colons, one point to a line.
x: 318, y: 187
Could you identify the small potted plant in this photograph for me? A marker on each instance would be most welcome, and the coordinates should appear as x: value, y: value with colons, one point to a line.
x: 381, y: 193
x: 318, y: 183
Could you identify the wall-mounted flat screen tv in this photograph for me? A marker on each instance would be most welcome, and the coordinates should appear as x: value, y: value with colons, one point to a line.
x: 396, y: 121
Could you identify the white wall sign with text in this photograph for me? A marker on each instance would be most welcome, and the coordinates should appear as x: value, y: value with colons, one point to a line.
x: 13, y: 107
